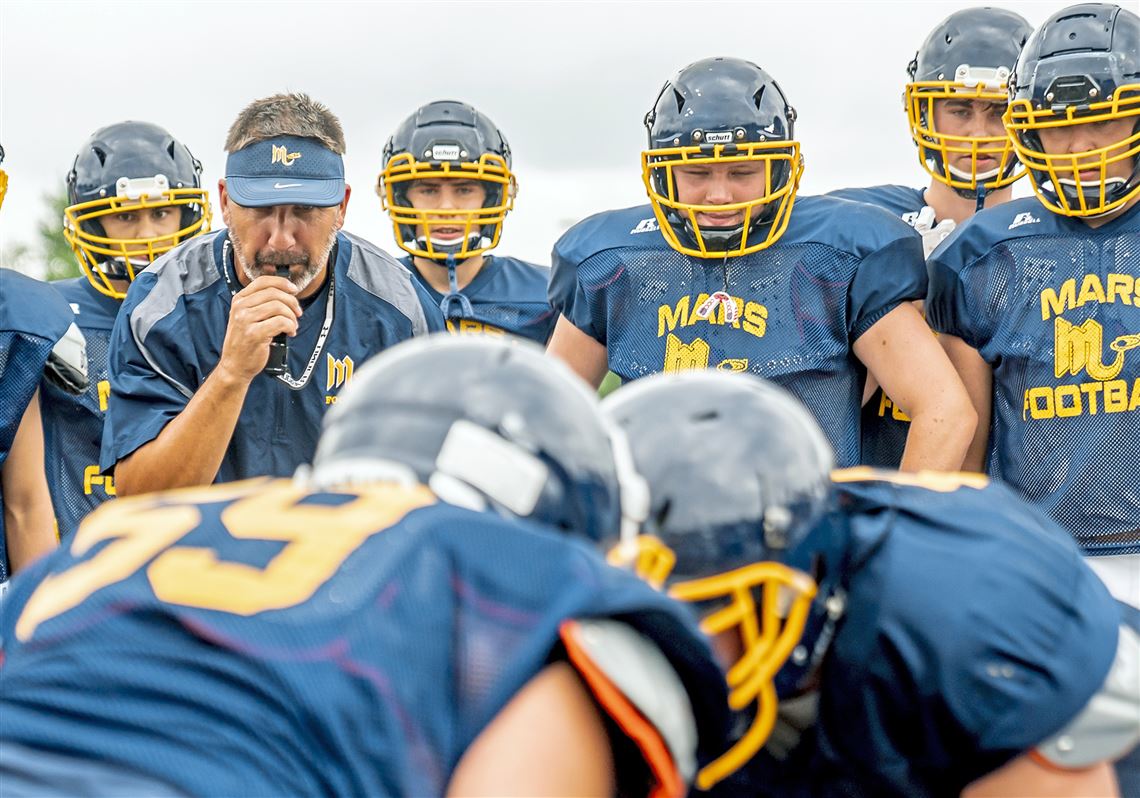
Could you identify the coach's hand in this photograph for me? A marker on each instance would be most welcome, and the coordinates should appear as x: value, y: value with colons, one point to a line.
x: 266, y: 307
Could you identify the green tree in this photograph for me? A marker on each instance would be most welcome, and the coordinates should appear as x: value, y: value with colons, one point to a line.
x: 58, y: 259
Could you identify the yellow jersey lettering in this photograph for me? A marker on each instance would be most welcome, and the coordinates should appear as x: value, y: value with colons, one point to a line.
x: 471, y: 327
x: 750, y: 316
x: 669, y: 318
x: 1092, y: 290
x: 92, y: 479
x: 684, y: 357
x: 1054, y: 304
x: 1086, y: 398
x: 1120, y: 286
x: 1112, y: 288
x: 104, y: 389
x: 755, y: 319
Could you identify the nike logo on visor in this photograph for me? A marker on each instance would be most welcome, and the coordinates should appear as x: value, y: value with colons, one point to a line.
x: 286, y: 185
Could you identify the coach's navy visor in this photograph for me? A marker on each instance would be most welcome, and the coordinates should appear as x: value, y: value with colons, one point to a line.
x: 285, y: 170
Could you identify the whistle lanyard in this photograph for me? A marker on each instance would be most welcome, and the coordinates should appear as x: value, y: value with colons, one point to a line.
x: 287, y: 378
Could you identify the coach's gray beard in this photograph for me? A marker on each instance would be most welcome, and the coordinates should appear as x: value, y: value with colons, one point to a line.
x: 302, y: 281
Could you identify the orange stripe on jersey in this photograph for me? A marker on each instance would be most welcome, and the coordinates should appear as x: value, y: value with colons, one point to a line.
x: 1040, y: 759
x: 643, y: 733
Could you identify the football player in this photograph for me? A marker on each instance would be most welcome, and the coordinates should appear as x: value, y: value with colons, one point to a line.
x: 135, y: 192
x: 1038, y: 300
x: 424, y: 613
x: 38, y: 337
x: 447, y: 185
x: 882, y: 633
x: 954, y: 102
x: 720, y: 271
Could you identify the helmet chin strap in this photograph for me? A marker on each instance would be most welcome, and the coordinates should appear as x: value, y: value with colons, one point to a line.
x: 454, y: 295
x: 981, y: 198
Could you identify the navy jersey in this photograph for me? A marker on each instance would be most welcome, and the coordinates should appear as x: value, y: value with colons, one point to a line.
x: 789, y: 313
x: 507, y: 295
x: 257, y: 638
x: 1053, y: 306
x: 73, y: 425
x: 168, y: 339
x: 973, y: 632
x: 885, y: 426
x: 33, y: 317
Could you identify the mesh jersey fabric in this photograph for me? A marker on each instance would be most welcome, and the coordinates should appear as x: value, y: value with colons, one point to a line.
x: 33, y: 317
x: 507, y: 295
x: 1053, y: 307
x: 338, y: 643
x: 884, y: 425
x: 964, y: 606
x: 73, y: 424
x: 789, y: 313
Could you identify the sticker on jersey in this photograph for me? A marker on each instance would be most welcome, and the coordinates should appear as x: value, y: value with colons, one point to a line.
x: 646, y: 226
x: 722, y: 137
x: 1085, y: 349
x: 445, y: 152
x: 1023, y: 218
x: 731, y: 309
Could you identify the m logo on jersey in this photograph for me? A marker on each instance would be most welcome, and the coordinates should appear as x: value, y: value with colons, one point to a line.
x: 1080, y: 348
x: 646, y: 226
x: 1023, y: 218
x: 339, y: 374
x: 282, y: 155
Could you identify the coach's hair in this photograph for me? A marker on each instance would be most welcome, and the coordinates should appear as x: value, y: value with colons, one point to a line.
x: 293, y: 114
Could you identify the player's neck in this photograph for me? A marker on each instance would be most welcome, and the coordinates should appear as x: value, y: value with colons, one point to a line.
x: 949, y: 204
x: 434, y: 272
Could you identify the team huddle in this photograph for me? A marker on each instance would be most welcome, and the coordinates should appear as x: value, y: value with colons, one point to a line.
x: 862, y: 518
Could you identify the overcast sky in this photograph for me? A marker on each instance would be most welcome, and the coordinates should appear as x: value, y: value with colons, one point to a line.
x: 568, y: 83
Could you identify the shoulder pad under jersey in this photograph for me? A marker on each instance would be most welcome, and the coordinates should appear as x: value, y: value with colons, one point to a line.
x: 628, y: 227
x: 1109, y: 725
x: 634, y: 665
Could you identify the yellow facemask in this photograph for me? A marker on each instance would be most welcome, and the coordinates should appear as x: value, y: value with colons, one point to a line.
x: 134, y: 254
x: 1051, y: 174
x: 768, y: 632
x: 780, y: 158
x: 936, y: 148
x: 477, y: 239
x: 3, y: 186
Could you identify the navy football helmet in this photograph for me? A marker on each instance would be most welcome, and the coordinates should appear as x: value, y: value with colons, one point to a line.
x: 968, y: 56
x: 447, y: 140
x: 130, y: 166
x: 485, y: 423
x: 738, y: 474
x: 1081, y: 67
x: 722, y: 111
